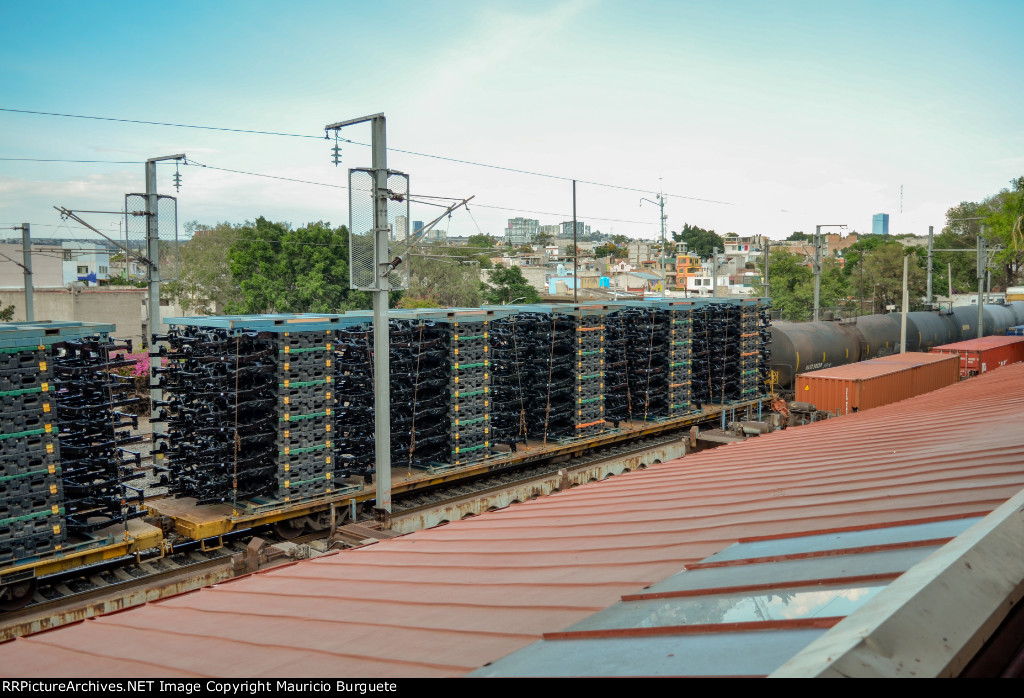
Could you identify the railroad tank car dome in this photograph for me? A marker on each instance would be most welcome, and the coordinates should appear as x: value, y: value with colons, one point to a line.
x: 807, y: 346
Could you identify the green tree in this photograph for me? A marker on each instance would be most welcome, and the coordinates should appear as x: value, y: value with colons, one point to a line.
x: 609, y: 250
x: 854, y: 254
x: 882, y: 280
x: 7, y: 314
x: 444, y: 282
x: 798, y: 235
x: 791, y: 281
x: 1004, y: 221
x: 280, y: 270
x: 509, y: 285
x: 699, y: 241
x: 1001, y: 215
x: 204, y: 284
x: 543, y: 239
x: 481, y: 241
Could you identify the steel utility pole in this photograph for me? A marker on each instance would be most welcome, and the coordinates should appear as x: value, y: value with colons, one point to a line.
x: 714, y: 272
x: 816, y: 265
x: 982, y: 259
x: 982, y: 267
x: 26, y: 247
x: 153, y: 252
x: 660, y: 203
x: 931, y: 258
x: 575, y: 248
x: 381, y: 334
x: 767, y: 253
x: 906, y: 304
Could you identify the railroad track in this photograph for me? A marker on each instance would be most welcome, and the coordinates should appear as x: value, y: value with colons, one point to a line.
x: 514, y: 476
x: 83, y: 592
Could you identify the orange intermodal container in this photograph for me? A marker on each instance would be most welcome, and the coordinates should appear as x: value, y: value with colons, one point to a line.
x: 867, y: 384
x: 984, y: 353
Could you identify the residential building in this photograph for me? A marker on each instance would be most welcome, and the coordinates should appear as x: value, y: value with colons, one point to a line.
x: 85, y: 262
x: 582, y: 229
x: 687, y: 267
x: 521, y: 231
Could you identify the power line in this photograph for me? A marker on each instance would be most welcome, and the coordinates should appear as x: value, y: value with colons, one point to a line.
x: 394, y: 150
x: 161, y: 123
x: 340, y: 186
x: 267, y: 176
x: 102, y: 162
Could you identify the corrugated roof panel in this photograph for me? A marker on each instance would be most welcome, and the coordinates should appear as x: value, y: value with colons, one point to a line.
x: 448, y: 600
x: 981, y: 343
x: 882, y: 563
x: 726, y: 654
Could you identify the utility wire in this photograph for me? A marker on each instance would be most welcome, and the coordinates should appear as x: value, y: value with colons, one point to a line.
x: 340, y: 186
x: 394, y: 150
x: 267, y: 176
x: 104, y: 162
x: 160, y: 123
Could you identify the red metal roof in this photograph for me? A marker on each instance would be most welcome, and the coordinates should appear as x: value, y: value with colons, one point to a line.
x: 981, y: 343
x: 446, y: 601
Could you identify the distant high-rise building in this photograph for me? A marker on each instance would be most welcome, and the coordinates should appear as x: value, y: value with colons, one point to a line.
x: 582, y: 230
x: 401, y: 228
x: 521, y: 231
x: 880, y: 224
x: 417, y: 226
x: 552, y: 230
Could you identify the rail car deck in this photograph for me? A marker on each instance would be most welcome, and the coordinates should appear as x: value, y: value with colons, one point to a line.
x: 209, y: 521
x: 119, y: 540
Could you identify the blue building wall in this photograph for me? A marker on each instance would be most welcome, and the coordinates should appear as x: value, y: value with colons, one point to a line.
x: 880, y: 224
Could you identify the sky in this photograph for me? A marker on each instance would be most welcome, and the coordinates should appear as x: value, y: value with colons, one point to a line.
x: 752, y: 117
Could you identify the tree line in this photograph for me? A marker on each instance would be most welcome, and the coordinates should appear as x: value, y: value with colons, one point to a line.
x: 269, y: 267
x: 870, y: 273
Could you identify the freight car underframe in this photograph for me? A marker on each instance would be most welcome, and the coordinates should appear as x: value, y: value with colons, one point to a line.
x: 210, y: 522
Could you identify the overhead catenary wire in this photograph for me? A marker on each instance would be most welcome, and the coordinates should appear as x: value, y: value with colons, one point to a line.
x: 432, y: 156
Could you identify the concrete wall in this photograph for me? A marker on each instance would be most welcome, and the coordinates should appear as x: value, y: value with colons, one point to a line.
x: 124, y: 307
x: 47, y: 266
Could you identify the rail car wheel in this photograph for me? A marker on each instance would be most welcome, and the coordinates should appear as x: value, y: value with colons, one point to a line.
x: 17, y: 595
x: 290, y: 528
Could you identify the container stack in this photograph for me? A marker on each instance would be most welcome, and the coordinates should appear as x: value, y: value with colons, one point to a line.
x: 638, y: 352
x: 63, y: 466
x: 749, y: 366
x: 515, y: 360
x: 680, y: 359
x: 250, y: 408
x: 589, y: 419
x: 764, y: 349
x: 618, y: 402
x: 548, y: 380
x: 94, y: 431
x: 32, y: 517
x: 220, y: 395
x: 421, y: 397
x: 353, y: 417
x: 305, y: 421
x: 702, y: 342
x: 470, y: 406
